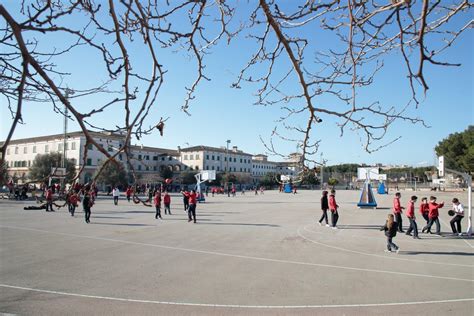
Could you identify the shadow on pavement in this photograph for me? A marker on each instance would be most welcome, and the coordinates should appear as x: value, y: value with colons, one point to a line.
x: 241, y: 224
x: 119, y: 224
x: 449, y: 253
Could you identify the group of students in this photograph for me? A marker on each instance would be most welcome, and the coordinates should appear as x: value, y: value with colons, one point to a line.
x: 428, y: 210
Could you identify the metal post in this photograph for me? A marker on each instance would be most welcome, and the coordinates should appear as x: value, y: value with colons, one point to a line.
x: 468, y: 179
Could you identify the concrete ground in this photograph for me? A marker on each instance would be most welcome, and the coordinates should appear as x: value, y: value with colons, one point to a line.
x: 247, y: 255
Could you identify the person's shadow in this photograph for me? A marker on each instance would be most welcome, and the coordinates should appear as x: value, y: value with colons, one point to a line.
x: 449, y: 253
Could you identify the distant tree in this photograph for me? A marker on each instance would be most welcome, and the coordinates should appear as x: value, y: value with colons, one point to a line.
x: 333, y: 181
x: 217, y: 181
x: 166, y: 173
x: 458, y: 150
x: 309, y: 177
x: 42, y: 166
x: 3, y: 173
x: 187, y: 177
x: 269, y: 179
x: 343, y: 168
x: 229, y: 178
x: 112, y: 174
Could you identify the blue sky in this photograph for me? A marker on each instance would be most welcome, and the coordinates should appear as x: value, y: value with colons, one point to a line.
x: 220, y: 113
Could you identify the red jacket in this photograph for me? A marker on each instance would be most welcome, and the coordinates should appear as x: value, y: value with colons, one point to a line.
x: 192, y: 197
x: 332, y: 203
x: 157, y: 199
x: 397, y: 208
x: 73, y: 199
x: 410, y: 210
x: 167, y: 199
x: 424, y: 208
x: 433, y: 212
x: 49, y: 194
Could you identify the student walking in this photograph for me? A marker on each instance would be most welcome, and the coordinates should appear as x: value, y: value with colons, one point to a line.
x: 324, y: 208
x: 411, y: 217
x: 458, y: 216
x: 333, y: 208
x: 87, y: 204
x: 390, y: 229
x: 397, y: 211
x: 433, y: 215
x: 128, y: 193
x: 116, y: 194
x: 424, y: 209
x: 157, y: 201
x: 167, y: 203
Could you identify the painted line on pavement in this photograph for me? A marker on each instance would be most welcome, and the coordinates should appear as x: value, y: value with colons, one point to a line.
x: 375, y: 255
x: 223, y: 254
x: 230, y: 305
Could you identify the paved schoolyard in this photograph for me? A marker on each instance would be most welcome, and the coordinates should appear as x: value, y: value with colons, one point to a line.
x: 248, y: 255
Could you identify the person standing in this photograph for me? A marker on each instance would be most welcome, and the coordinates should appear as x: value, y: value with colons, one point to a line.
x: 333, y: 207
x: 185, y: 200
x: 49, y: 200
x: 433, y: 215
x: 424, y: 209
x: 411, y: 217
x: 397, y: 211
x: 157, y: 201
x: 128, y: 193
x: 73, y: 199
x: 192, y: 206
x: 458, y: 216
x: 324, y: 208
x: 390, y: 229
x: 87, y: 204
x: 167, y: 203
x: 116, y: 194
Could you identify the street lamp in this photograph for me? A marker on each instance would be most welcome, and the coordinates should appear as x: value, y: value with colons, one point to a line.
x: 227, y: 156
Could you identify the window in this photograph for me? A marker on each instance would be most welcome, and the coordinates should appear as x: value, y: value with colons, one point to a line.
x: 197, y: 167
x: 60, y: 147
x: 163, y: 158
x: 191, y: 157
x: 207, y: 157
x: 139, y: 167
x: 147, y: 168
x: 171, y: 158
x: 16, y: 150
x: 89, y: 146
x: 235, y: 169
x: 139, y: 157
x: 154, y: 168
x: 218, y: 169
x: 185, y: 157
x: 46, y: 148
x: 89, y: 162
x: 25, y: 150
x: 240, y: 169
x: 98, y: 161
x: 240, y: 160
x: 155, y: 158
x: 225, y: 158
x: 197, y: 157
x: 235, y: 159
x: 73, y: 145
x: 213, y: 158
x: 8, y: 151
x: 218, y: 157
x: 212, y: 167
x: 109, y: 148
x: 29, y: 163
x: 147, y: 157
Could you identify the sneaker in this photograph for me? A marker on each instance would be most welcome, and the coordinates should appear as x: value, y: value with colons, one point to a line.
x: 335, y: 227
x: 327, y: 225
x: 320, y: 224
x: 408, y: 234
x: 460, y: 234
x: 416, y: 237
x: 398, y: 249
x: 386, y: 250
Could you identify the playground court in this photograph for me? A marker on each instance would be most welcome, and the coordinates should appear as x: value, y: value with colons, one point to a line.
x: 247, y: 255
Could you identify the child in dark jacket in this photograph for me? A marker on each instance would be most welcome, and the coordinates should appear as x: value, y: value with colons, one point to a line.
x: 390, y: 229
x: 324, y: 208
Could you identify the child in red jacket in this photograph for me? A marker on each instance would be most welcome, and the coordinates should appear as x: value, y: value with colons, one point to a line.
x: 424, y: 209
x: 397, y: 211
x: 411, y: 217
x: 157, y: 201
x: 433, y: 215
x: 167, y: 203
x: 333, y: 208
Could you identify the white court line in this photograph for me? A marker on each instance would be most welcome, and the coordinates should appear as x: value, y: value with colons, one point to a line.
x: 232, y: 305
x: 443, y: 222
x: 375, y: 255
x: 246, y: 257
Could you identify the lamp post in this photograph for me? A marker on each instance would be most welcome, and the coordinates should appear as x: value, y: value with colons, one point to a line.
x: 227, y: 156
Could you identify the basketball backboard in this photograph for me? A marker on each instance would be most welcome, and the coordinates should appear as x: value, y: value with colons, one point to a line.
x: 370, y: 173
x: 209, y: 175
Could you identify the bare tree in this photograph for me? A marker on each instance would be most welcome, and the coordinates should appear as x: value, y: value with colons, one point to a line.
x: 364, y: 32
